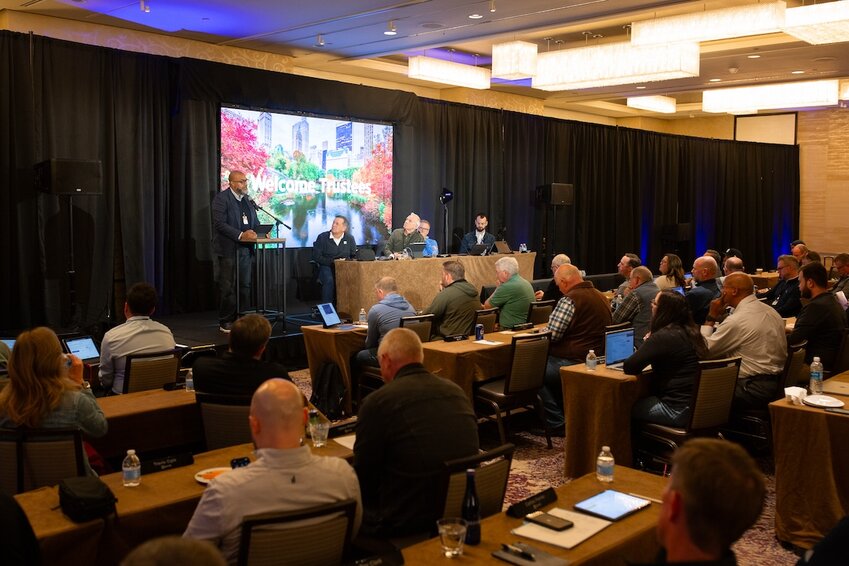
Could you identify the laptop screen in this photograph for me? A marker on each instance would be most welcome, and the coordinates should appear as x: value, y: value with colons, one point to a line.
x: 9, y: 342
x: 480, y: 249
x: 618, y: 345
x: 503, y: 247
x: 417, y: 249
x: 84, y: 348
x: 328, y: 315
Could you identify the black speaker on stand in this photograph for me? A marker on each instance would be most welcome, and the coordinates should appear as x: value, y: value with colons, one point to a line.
x: 70, y: 178
x: 552, y: 196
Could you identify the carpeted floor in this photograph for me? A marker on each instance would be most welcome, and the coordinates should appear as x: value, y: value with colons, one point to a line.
x: 535, y: 468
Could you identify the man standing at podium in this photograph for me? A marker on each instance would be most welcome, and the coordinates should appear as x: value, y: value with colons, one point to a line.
x: 233, y: 223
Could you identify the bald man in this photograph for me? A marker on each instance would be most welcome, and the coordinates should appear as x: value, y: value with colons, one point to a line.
x: 705, y: 287
x: 552, y: 292
x: 636, y: 308
x: 285, y: 476
x: 233, y: 223
x: 754, y: 331
x: 406, y: 430
x: 401, y: 238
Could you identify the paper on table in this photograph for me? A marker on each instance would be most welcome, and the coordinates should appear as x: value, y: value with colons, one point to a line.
x: 489, y: 342
x: 347, y: 441
x: 584, y: 527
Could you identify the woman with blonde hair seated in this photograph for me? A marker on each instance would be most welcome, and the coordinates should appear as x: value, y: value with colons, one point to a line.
x: 46, y: 388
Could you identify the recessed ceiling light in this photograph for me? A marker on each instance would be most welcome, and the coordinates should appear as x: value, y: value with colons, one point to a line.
x: 797, y: 72
x: 475, y: 17
x: 754, y: 56
x: 715, y: 80
x: 390, y: 28
x: 640, y: 87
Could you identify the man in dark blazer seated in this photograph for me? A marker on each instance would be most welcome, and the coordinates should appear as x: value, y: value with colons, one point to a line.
x: 477, y: 236
x: 239, y: 371
x: 785, y: 297
x: 233, y: 223
x: 336, y: 243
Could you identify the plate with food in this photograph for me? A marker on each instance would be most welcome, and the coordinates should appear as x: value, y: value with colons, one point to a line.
x: 206, y: 476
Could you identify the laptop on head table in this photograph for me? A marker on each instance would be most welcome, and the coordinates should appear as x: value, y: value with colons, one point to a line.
x: 618, y: 347
x: 331, y: 318
x: 84, y: 348
x: 502, y: 247
x: 416, y: 249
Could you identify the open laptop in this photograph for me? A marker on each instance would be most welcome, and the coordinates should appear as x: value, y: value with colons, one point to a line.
x: 82, y: 347
x: 480, y: 249
x: 331, y: 318
x: 618, y: 347
x: 417, y: 249
x: 835, y: 387
x: 502, y: 247
x: 10, y: 342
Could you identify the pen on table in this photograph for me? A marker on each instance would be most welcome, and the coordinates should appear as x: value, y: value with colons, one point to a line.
x: 515, y: 550
x: 652, y: 499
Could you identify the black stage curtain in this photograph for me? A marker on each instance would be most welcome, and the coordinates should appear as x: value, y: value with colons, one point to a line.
x: 153, y: 122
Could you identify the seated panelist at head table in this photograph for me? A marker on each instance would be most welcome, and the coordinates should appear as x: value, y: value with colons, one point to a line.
x: 401, y: 238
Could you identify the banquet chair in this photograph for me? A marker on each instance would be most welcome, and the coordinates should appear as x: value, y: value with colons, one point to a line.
x: 493, y: 469
x: 420, y: 324
x: 315, y: 536
x: 520, y: 387
x: 487, y: 317
x: 33, y: 458
x: 539, y: 311
x: 151, y: 371
x: 225, y: 419
x: 841, y: 361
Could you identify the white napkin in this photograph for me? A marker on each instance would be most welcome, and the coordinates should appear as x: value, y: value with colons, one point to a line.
x: 795, y: 395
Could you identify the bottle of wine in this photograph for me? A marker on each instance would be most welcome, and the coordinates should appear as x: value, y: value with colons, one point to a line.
x: 471, y: 510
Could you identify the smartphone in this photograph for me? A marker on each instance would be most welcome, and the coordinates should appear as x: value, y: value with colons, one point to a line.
x: 549, y: 521
x: 239, y: 462
x: 837, y: 410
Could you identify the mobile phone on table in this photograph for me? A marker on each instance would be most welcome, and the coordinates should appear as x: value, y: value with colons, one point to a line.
x: 239, y: 462
x: 837, y: 410
x: 549, y: 521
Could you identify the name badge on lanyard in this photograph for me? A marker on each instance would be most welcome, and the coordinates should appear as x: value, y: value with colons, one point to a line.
x: 244, y: 219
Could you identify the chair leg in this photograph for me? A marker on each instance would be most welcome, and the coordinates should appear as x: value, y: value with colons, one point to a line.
x: 541, y: 410
x: 501, y: 431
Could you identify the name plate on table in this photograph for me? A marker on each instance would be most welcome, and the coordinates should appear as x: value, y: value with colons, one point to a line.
x: 532, y: 503
x: 341, y: 428
x: 167, y: 462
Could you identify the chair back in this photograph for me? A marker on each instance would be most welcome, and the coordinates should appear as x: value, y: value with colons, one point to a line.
x: 33, y: 458
x: 527, y: 368
x: 420, y: 324
x: 487, y: 317
x: 151, y: 371
x: 225, y: 419
x: 617, y: 326
x: 191, y: 355
x: 841, y: 362
x: 315, y: 536
x: 539, y: 311
x: 713, y: 393
x: 493, y: 469
x: 792, y: 367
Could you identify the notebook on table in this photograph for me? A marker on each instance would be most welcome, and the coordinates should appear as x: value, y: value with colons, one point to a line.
x: 83, y: 347
x: 618, y: 347
x: 330, y: 317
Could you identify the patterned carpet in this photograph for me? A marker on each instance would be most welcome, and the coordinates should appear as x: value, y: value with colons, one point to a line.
x: 535, y: 468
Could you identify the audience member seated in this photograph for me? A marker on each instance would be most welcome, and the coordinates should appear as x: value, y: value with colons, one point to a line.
x: 453, y: 308
x: 336, y: 243
x: 513, y: 294
x: 401, y: 238
x: 383, y: 317
x: 552, y: 293
x: 671, y: 273
x: 138, y: 335
x: 785, y: 297
x: 406, y: 430
x: 170, y: 550
x: 46, y: 388
x: 673, y: 349
x: 240, y: 370
x: 577, y: 326
x: 841, y: 266
x: 822, y: 321
x: 627, y: 264
x: 704, y: 288
x: 800, y: 252
x: 285, y: 476
x: 431, y: 248
x: 812, y: 257
x: 732, y: 264
x: 636, y: 308
x: 477, y: 236
x: 715, y: 256
x: 715, y: 493
x: 755, y: 332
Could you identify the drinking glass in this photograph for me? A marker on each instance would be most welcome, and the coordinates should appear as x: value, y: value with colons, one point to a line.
x: 318, y: 432
x: 452, y: 533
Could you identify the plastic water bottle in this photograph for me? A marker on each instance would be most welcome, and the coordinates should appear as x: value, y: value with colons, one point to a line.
x: 816, y: 376
x: 604, y: 465
x: 471, y: 510
x: 592, y: 360
x: 132, y: 469
x: 362, y: 316
x: 190, y: 381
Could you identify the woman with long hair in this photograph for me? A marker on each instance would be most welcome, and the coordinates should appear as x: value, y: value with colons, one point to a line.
x: 671, y: 273
x: 46, y: 388
x: 673, y: 348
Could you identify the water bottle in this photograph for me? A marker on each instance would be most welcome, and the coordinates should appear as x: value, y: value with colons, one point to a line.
x: 132, y: 469
x: 604, y: 465
x: 362, y: 316
x: 592, y: 360
x: 471, y: 510
x: 190, y: 381
x: 816, y: 376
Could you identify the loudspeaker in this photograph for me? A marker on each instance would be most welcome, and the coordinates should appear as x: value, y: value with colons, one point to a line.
x: 69, y: 177
x: 556, y: 194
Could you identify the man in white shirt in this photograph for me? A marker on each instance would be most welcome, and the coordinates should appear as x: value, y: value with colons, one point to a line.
x: 138, y: 335
x: 754, y: 331
x: 285, y: 476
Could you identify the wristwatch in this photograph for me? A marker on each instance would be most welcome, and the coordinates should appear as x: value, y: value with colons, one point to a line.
x: 85, y: 385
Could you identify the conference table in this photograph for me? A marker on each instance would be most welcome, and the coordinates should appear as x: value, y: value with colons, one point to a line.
x: 811, y: 469
x: 632, y: 538
x: 597, y: 405
x: 162, y: 505
x: 765, y: 280
x: 418, y: 279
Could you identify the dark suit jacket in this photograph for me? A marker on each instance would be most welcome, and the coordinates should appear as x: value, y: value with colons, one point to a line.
x: 785, y: 297
x: 325, y: 251
x: 234, y: 375
x: 821, y: 322
x: 227, y: 223
x: 699, y: 298
x: 470, y: 241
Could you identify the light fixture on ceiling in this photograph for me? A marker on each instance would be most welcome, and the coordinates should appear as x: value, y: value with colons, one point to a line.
x: 144, y: 6
x: 514, y: 60
x: 800, y: 94
x: 448, y: 72
x: 739, y: 21
x: 615, y: 64
x: 475, y: 16
x: 819, y: 23
x: 798, y: 72
x: 492, y: 6
x: 753, y: 56
x: 390, y: 28
x: 319, y: 40
x: 661, y: 104
x: 844, y: 90
x: 715, y: 80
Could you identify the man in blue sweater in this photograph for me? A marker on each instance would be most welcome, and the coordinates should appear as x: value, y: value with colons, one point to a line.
x: 383, y: 317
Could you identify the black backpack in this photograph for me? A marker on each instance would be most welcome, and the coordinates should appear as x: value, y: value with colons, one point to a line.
x: 328, y: 392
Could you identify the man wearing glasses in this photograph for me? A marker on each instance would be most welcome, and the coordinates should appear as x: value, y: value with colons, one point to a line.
x: 785, y: 297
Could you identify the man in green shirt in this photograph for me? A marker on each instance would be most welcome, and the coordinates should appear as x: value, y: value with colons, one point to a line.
x: 455, y: 305
x: 400, y: 238
x: 513, y: 295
